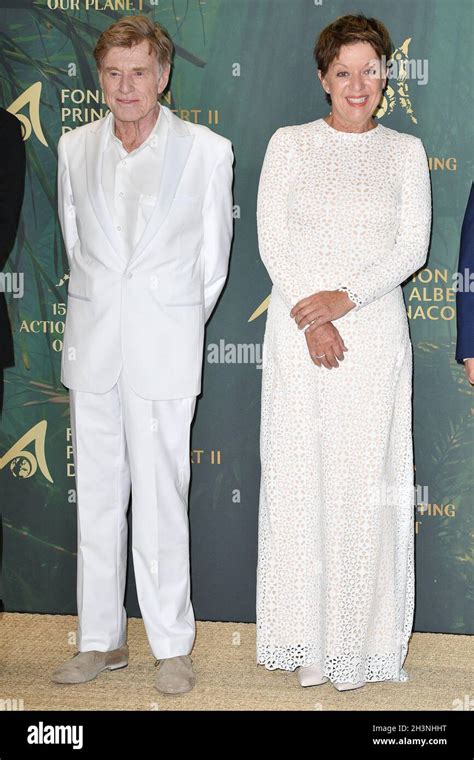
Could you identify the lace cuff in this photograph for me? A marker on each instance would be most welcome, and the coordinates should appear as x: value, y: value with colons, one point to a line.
x: 353, y: 296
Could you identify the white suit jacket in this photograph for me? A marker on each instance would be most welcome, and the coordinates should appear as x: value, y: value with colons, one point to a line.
x: 147, y: 312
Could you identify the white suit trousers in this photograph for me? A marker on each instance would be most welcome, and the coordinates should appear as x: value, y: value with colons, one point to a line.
x: 122, y: 440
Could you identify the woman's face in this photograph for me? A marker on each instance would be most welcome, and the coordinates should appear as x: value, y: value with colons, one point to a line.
x: 355, y: 81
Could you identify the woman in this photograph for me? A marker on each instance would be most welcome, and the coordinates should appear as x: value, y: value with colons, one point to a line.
x: 344, y: 213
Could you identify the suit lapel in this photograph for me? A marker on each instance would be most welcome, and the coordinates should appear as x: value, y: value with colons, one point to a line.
x: 178, y: 145
x: 95, y: 147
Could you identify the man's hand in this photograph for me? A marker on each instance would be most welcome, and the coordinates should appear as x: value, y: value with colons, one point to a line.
x: 322, y: 307
x: 469, y: 367
x: 325, y: 340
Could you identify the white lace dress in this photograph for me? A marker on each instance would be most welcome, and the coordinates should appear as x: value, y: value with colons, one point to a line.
x: 335, y: 576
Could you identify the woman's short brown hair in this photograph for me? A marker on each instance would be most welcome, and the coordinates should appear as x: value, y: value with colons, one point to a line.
x: 131, y: 30
x: 346, y: 30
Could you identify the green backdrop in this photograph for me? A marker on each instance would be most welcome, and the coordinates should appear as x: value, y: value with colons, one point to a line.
x: 243, y: 67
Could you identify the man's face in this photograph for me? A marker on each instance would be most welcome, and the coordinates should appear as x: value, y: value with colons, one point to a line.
x: 132, y: 80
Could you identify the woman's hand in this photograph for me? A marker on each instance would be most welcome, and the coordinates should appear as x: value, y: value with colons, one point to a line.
x: 322, y: 307
x: 326, y: 343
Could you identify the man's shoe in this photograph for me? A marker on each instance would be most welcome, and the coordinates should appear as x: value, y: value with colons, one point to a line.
x: 85, y: 666
x: 175, y: 675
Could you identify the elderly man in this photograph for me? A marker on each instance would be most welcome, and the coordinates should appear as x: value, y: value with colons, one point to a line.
x: 145, y: 205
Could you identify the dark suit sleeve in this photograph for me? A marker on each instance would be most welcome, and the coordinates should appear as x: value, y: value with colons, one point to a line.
x: 12, y: 181
x: 465, y: 296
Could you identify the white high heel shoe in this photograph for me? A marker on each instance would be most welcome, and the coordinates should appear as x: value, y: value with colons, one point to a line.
x: 311, y: 675
x: 348, y: 686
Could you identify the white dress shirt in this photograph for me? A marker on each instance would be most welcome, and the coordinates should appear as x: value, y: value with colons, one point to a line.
x: 131, y: 181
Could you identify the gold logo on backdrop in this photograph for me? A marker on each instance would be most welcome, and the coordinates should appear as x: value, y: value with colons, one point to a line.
x: 62, y: 280
x: 400, y: 57
x: 23, y: 463
x: 260, y: 309
x: 31, y: 123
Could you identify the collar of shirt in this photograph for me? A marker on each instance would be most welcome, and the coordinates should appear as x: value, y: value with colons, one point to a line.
x: 153, y: 139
